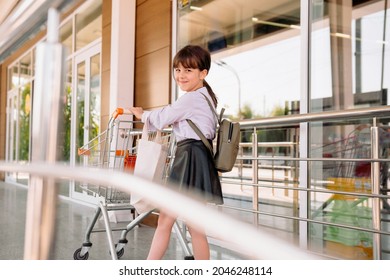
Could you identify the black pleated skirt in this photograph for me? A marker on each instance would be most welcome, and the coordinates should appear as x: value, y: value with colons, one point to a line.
x: 193, y: 170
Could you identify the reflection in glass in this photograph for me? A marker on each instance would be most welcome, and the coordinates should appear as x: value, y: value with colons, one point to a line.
x: 23, y: 143
x: 24, y: 122
x: 13, y: 76
x: 89, y: 25
x: 14, y: 123
x: 19, y: 116
x: 67, y: 111
x: 88, y: 108
x: 94, y: 102
x: 350, y: 58
x: 340, y: 209
x: 25, y: 69
x: 349, y: 62
x: 66, y: 36
x: 80, y: 106
x: 33, y: 52
x: 255, y: 47
x: 255, y: 73
x: 63, y: 186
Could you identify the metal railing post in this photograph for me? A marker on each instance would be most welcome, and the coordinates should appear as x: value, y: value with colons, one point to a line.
x: 255, y: 179
x: 42, y: 192
x: 375, y: 183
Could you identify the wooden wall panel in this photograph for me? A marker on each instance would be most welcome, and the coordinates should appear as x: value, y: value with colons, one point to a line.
x: 153, y: 79
x: 106, y: 44
x: 105, y: 100
x: 153, y: 26
x: 139, y: 2
x: 106, y: 12
x: 106, y: 63
x: 153, y: 53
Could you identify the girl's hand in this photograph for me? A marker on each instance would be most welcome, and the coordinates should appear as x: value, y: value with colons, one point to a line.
x: 137, y: 112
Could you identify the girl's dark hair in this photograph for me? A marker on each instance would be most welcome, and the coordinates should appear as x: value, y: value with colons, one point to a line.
x: 196, y: 57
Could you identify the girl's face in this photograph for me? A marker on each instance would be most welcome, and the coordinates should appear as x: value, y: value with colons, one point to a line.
x: 189, y: 79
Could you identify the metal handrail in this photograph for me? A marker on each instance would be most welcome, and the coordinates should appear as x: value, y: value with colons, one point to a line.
x: 359, y: 113
x: 257, y: 244
x: 286, y: 122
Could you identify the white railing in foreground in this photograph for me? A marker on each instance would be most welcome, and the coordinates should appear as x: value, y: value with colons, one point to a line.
x: 255, y: 243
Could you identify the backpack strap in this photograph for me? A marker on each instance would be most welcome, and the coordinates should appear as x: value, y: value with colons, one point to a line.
x: 219, y: 119
x: 197, y: 130
x: 201, y: 136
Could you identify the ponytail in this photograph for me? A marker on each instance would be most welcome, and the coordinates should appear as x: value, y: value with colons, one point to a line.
x: 211, y: 93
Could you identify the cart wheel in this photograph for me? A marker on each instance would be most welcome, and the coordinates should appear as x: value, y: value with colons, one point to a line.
x: 120, y: 253
x: 77, y: 255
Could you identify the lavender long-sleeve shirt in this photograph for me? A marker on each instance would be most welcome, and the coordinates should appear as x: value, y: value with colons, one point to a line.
x: 193, y: 106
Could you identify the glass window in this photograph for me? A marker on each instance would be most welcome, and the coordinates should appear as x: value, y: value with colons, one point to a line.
x: 26, y: 69
x: 350, y: 56
x: 89, y: 24
x: 256, y: 54
x: 14, y: 123
x: 255, y: 47
x: 67, y: 111
x: 80, y: 105
x: 349, y: 69
x: 66, y: 36
x: 24, y: 122
x: 33, y: 52
x: 63, y: 188
x: 13, y: 76
x: 95, y: 97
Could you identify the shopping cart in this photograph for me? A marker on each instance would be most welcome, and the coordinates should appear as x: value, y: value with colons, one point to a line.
x: 349, y: 177
x: 116, y: 149
x: 352, y: 173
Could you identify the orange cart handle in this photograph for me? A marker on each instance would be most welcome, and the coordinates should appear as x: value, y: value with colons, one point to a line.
x: 83, y: 152
x: 121, y: 111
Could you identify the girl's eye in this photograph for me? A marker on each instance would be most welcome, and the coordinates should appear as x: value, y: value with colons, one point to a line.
x: 186, y: 70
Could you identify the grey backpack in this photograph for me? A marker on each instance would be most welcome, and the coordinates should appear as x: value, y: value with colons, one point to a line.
x: 228, y: 141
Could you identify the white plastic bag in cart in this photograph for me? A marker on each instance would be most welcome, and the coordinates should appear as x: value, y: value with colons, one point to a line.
x: 150, y: 164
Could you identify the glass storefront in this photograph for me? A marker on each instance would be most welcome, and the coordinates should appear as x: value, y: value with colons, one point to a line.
x: 256, y: 53
x: 349, y: 69
x: 255, y: 48
x: 76, y: 33
x: 256, y: 73
x: 88, y: 25
x: 66, y: 36
x: 19, y: 101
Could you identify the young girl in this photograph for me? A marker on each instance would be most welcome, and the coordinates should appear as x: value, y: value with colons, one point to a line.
x: 193, y: 168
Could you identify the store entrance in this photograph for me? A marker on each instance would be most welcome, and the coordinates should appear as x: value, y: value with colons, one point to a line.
x: 86, y: 106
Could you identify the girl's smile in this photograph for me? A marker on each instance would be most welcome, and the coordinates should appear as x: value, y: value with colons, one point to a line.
x: 189, y: 79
